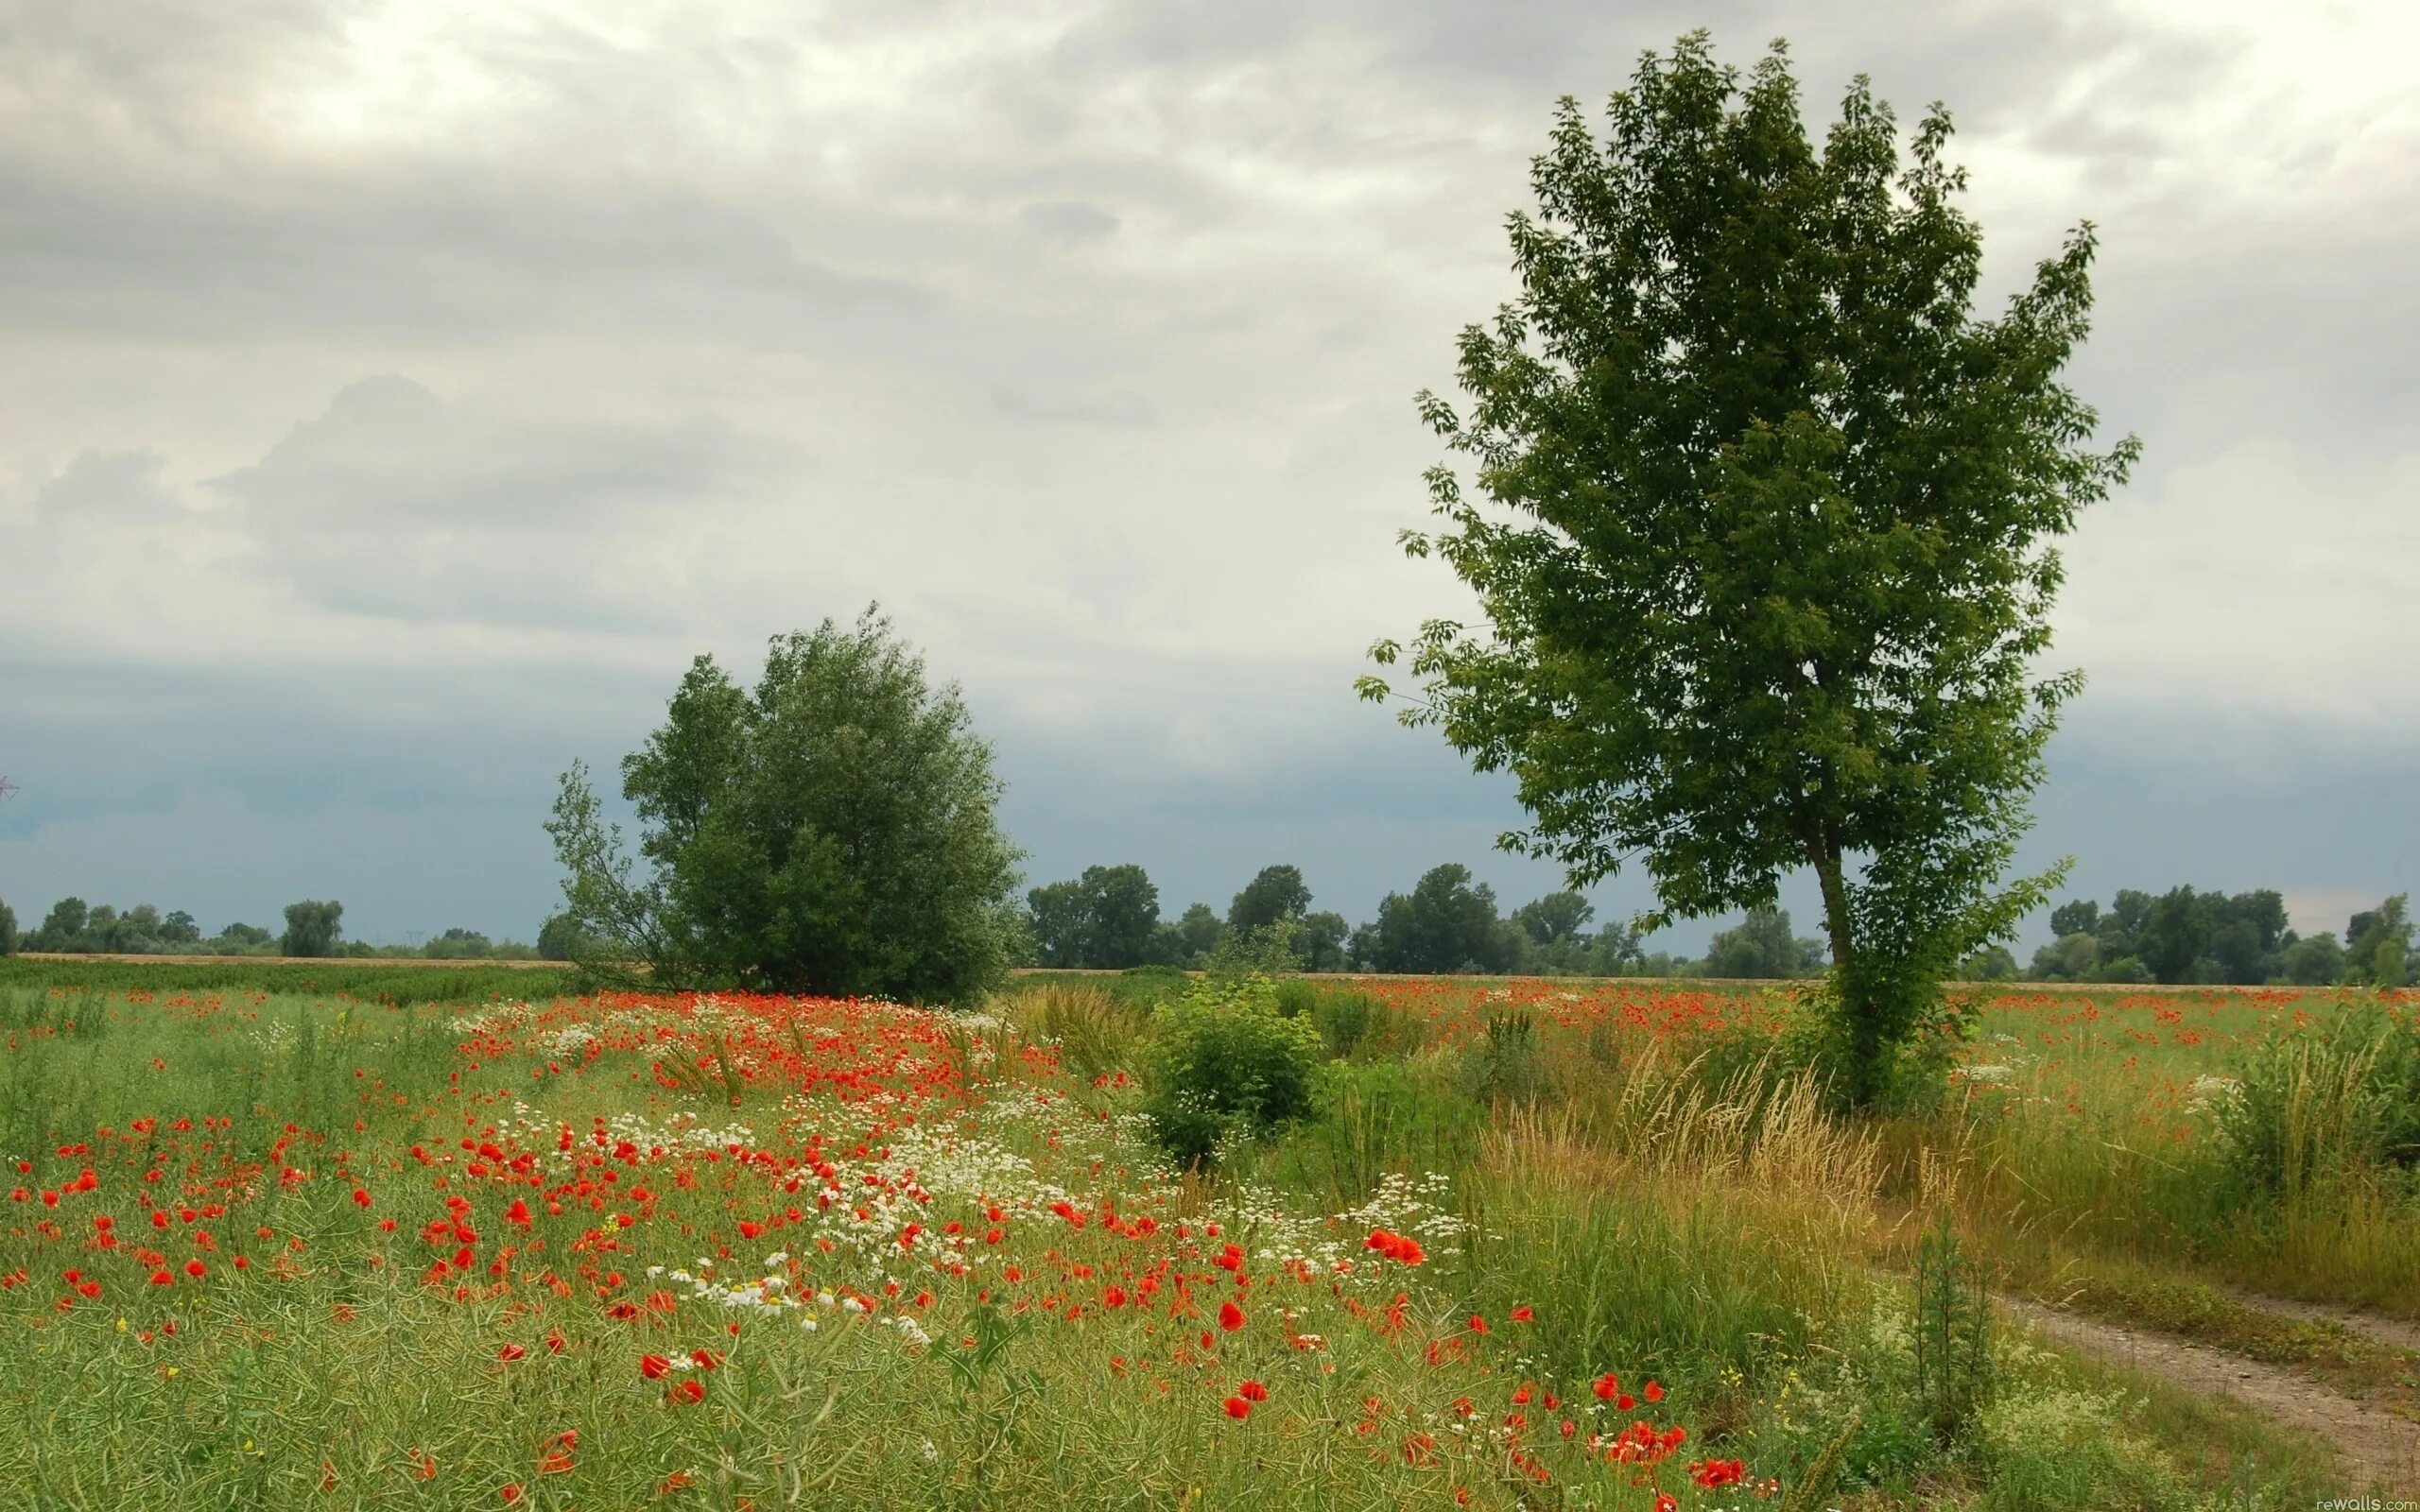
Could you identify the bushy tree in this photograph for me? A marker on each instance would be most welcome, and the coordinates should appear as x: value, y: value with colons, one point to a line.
x: 1323, y: 941
x: 8, y: 930
x: 1123, y: 909
x: 832, y: 830
x: 2317, y: 961
x: 1761, y: 946
x: 560, y: 939
x: 247, y: 936
x: 1226, y: 1064
x: 2078, y: 916
x: 1446, y: 923
x: 1107, y: 918
x: 64, y: 925
x: 1993, y: 963
x: 1278, y: 893
x: 1057, y: 918
x: 1555, y: 918
x: 313, y: 928
x: 458, y: 944
x: 2377, y: 948
x: 1199, y: 931
x: 1762, y: 526
x: 2072, y: 957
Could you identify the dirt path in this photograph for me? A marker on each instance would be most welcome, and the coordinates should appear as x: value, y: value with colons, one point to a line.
x: 2394, y: 1333
x: 2378, y: 1446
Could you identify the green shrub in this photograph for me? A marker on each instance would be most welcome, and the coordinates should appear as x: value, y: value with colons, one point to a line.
x: 1295, y: 997
x: 1349, y: 1022
x: 1951, y: 1347
x: 2322, y: 1104
x: 8, y: 930
x: 2060, y: 1447
x: 1372, y: 1121
x: 1094, y: 1031
x: 1502, y: 1064
x: 1227, y: 1065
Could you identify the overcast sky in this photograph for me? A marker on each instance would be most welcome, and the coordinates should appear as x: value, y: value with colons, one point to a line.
x: 397, y: 395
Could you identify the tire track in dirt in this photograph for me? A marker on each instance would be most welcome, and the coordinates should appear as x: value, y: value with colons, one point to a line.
x: 2394, y: 1333
x: 2378, y: 1448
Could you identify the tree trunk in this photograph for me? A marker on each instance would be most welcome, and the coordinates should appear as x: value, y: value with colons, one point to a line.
x: 1864, y: 1070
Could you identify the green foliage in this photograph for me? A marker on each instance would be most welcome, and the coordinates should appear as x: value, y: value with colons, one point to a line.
x: 2312, y: 962
x: 2326, y: 1105
x: 313, y: 928
x: 1323, y: 941
x: 1775, y: 571
x: 370, y: 981
x: 1108, y: 919
x: 1376, y: 1120
x: 2377, y: 950
x: 1095, y: 1031
x: 833, y: 831
x: 1277, y: 894
x: 1762, y: 946
x: 1993, y: 963
x: 1501, y: 1066
x: 2179, y: 936
x: 1269, y: 949
x: 560, y: 938
x: 1557, y: 918
x: 1348, y: 1022
x: 1951, y: 1341
x: 1446, y: 923
x: 2062, y: 1447
x: 8, y: 930
x: 1225, y: 1065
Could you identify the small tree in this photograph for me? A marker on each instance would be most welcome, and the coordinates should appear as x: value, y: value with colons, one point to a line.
x: 2378, y: 943
x: 313, y: 928
x: 833, y: 831
x: 8, y: 930
x: 1764, y: 561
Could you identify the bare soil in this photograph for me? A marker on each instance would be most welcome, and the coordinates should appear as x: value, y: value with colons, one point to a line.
x: 2377, y: 1448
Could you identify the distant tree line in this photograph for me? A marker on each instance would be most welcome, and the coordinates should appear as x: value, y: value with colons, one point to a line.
x: 2189, y: 936
x: 313, y: 928
x: 1109, y: 919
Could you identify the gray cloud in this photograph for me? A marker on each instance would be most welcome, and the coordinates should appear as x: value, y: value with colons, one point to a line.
x: 1068, y: 222
x: 1083, y: 338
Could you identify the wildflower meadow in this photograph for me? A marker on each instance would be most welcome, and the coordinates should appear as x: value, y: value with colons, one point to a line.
x: 1531, y: 1245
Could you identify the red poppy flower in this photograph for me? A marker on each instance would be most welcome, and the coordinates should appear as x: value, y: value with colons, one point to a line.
x: 1231, y: 1317
x: 1253, y: 1391
x: 691, y: 1391
x: 653, y: 1365
x: 1238, y: 1408
x: 511, y: 1353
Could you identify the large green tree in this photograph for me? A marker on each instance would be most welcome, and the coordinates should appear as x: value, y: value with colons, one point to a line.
x: 1446, y: 923
x: 832, y: 830
x: 1760, y: 524
x: 1277, y: 894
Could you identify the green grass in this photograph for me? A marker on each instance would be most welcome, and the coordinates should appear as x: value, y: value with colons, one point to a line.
x: 370, y: 981
x: 1601, y: 1203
